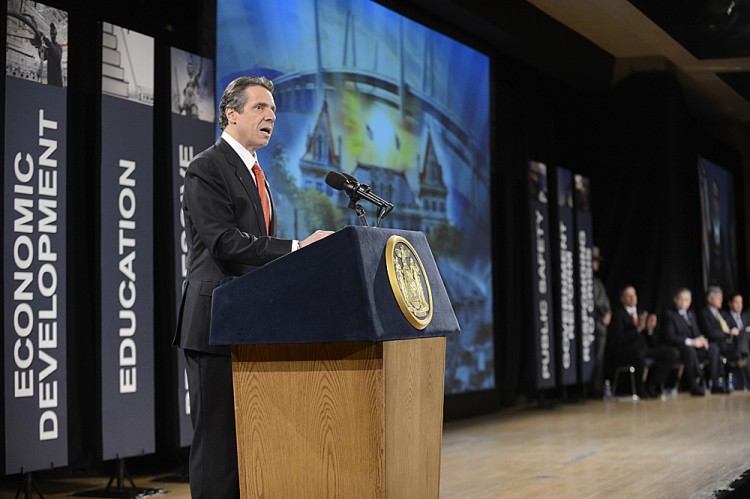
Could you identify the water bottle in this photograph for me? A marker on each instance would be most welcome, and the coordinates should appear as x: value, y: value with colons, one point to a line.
x: 730, y: 383
x: 607, y: 390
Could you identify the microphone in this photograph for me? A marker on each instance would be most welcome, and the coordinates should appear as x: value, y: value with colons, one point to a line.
x: 356, y: 191
x: 349, y: 184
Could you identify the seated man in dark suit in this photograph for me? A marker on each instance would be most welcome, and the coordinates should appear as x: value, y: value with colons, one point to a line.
x: 740, y: 317
x: 720, y: 327
x: 627, y: 344
x: 681, y: 331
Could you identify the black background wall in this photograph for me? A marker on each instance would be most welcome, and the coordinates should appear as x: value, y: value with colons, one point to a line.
x: 636, y: 142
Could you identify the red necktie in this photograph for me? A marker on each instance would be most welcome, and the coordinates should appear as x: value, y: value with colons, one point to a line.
x: 635, y: 319
x: 260, y: 179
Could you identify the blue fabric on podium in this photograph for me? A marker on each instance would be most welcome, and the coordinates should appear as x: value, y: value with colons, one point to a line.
x: 332, y: 291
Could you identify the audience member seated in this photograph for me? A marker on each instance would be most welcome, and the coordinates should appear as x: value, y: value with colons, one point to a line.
x: 720, y: 328
x: 681, y: 330
x: 627, y: 345
x: 742, y: 321
x: 740, y: 317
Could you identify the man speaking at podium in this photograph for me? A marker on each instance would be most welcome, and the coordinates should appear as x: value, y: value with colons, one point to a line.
x: 230, y: 226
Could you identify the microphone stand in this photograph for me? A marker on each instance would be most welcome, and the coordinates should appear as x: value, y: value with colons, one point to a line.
x: 359, y: 210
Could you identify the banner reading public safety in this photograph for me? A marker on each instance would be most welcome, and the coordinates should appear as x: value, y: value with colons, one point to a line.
x: 584, y: 246
x: 543, y: 322
x: 35, y: 386
x: 127, y: 302
x: 193, y: 128
x: 566, y: 331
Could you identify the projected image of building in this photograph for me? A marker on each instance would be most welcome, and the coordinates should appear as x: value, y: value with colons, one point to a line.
x: 362, y: 90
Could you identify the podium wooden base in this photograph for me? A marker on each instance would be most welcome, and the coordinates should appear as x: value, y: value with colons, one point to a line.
x: 348, y: 420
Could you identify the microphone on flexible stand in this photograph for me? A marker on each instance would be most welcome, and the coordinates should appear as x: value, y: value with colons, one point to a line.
x: 356, y: 191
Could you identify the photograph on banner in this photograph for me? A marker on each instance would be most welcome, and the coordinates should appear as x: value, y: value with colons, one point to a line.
x: 363, y: 90
x: 192, y: 86
x: 127, y: 64
x: 718, y: 227
x: 36, y: 43
x: 582, y: 194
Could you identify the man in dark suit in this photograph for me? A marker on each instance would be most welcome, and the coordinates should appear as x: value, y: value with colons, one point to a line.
x: 741, y: 320
x: 230, y: 226
x: 681, y: 330
x: 719, y: 326
x: 627, y: 342
x: 740, y: 317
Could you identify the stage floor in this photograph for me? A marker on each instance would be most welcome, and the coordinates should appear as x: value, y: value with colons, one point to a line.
x: 675, y: 448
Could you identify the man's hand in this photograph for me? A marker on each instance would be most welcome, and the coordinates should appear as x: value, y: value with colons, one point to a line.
x: 700, y: 342
x: 642, y: 321
x: 607, y: 318
x: 734, y: 331
x: 315, y: 236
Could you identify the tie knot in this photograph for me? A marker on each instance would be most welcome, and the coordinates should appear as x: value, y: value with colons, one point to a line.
x: 256, y: 169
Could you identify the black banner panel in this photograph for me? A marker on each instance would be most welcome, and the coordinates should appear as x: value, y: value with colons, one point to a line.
x: 35, y: 388
x: 127, y: 302
x: 584, y: 245
x: 193, y: 128
x: 566, y: 331
x: 543, y: 322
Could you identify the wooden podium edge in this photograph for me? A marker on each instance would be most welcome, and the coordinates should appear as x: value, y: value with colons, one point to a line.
x: 414, y: 393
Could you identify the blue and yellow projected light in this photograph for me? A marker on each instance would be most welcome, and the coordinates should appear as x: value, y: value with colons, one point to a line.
x: 363, y: 90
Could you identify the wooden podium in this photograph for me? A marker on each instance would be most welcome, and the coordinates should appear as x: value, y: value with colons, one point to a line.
x: 336, y: 393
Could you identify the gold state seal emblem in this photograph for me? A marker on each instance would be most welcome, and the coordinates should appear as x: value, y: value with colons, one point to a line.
x: 409, y: 281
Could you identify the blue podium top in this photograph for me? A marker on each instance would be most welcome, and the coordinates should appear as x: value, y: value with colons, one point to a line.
x: 337, y: 289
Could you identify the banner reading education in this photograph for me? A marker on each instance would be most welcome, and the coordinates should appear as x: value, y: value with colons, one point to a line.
x: 35, y: 307
x: 127, y: 353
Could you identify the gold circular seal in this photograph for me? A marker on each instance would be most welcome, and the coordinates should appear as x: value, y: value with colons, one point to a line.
x: 409, y: 281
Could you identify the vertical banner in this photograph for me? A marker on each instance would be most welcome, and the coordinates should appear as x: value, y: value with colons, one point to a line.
x: 35, y: 389
x: 544, y: 345
x: 566, y: 331
x: 127, y: 353
x: 193, y: 128
x: 584, y: 245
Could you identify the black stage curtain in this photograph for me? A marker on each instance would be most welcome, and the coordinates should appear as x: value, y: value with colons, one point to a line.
x: 639, y: 149
x: 637, y: 143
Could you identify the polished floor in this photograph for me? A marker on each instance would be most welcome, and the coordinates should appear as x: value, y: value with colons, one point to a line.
x: 682, y: 447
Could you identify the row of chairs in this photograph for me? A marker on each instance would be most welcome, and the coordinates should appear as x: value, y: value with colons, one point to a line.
x: 729, y: 366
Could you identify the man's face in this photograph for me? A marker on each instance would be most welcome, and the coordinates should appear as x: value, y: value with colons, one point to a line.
x: 736, y: 304
x: 595, y: 265
x: 715, y: 300
x: 254, y: 125
x: 628, y: 297
x: 683, y: 300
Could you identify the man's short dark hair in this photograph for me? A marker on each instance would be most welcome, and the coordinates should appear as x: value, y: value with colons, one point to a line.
x: 734, y: 294
x: 234, y: 96
x: 681, y: 290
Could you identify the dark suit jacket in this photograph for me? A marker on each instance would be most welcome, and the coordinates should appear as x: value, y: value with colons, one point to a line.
x: 622, y: 331
x: 745, y: 314
x: 226, y: 236
x: 675, y: 329
x: 712, y: 328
